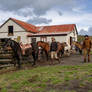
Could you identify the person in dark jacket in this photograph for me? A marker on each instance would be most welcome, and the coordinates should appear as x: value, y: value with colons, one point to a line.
x: 34, y: 52
x: 53, y: 49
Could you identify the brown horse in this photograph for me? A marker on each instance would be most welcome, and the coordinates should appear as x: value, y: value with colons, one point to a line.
x: 61, y: 47
x: 78, y: 47
x: 46, y: 47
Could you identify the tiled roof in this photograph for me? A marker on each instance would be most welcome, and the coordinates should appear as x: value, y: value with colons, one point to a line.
x: 56, y: 29
x: 26, y: 26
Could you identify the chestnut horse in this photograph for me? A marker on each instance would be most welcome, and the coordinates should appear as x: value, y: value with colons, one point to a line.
x: 46, y: 47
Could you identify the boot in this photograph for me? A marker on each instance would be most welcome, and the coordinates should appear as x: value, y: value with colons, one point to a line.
x: 88, y: 58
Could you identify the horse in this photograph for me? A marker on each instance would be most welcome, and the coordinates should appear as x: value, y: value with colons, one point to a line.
x: 17, y: 52
x: 78, y: 47
x: 45, y: 46
x: 61, y: 47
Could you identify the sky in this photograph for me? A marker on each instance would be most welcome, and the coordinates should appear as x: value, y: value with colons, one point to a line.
x: 50, y: 12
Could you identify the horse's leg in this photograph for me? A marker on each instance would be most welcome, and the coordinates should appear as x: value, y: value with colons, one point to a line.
x: 62, y: 52
x: 46, y: 54
x: 18, y: 62
x: 80, y: 51
x: 18, y: 57
x: 14, y: 62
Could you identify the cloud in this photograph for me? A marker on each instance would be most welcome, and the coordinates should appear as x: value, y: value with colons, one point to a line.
x: 5, y: 15
x: 34, y: 8
x: 86, y: 32
x: 47, y: 12
x: 39, y: 20
x: 39, y: 6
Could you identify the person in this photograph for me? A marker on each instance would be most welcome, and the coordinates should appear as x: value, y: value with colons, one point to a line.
x: 34, y: 51
x: 53, y: 49
x: 86, y: 47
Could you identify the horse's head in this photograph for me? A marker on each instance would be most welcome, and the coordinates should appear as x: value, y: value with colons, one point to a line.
x: 39, y: 43
x: 43, y: 45
x: 7, y: 43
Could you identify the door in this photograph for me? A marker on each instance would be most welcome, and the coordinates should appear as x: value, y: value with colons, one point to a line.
x: 70, y: 40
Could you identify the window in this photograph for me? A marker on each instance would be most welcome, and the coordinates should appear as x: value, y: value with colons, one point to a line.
x: 43, y: 38
x: 10, y: 30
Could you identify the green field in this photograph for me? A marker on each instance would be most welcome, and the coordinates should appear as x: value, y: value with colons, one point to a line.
x: 55, y: 78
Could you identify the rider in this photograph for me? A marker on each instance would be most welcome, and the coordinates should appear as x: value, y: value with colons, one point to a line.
x: 86, y: 47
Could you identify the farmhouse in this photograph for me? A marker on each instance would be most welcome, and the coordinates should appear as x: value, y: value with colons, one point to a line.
x: 24, y: 32
x: 17, y: 30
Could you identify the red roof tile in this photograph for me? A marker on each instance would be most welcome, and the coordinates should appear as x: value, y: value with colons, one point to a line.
x: 56, y: 29
x: 26, y: 26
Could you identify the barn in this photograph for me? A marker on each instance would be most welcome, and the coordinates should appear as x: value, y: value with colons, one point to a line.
x: 25, y: 33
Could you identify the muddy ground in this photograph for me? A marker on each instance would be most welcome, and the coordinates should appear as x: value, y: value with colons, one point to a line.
x: 73, y: 59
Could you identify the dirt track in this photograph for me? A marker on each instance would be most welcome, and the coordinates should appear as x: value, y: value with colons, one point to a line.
x: 73, y: 59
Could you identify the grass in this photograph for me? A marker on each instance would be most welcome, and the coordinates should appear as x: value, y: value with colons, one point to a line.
x: 39, y: 79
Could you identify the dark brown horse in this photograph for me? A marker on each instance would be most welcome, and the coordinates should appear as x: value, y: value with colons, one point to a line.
x: 16, y: 50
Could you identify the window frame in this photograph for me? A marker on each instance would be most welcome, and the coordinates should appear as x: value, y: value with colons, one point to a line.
x: 10, y: 28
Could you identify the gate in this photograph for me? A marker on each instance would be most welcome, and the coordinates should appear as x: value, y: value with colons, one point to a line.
x: 6, y: 56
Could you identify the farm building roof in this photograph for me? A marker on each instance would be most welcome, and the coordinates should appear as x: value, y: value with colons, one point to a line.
x: 55, y: 29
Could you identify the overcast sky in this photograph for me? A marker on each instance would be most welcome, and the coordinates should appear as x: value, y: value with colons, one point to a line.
x: 49, y: 12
